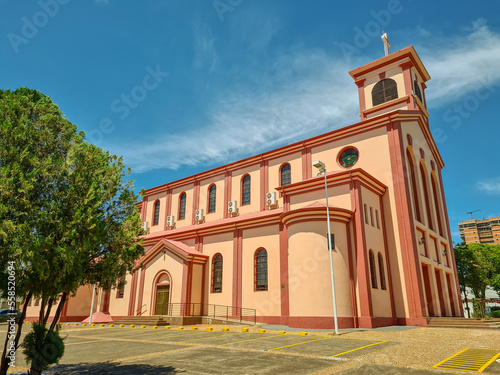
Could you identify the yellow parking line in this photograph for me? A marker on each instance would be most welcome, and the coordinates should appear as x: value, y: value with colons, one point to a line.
x: 353, y: 350
x: 489, y: 362
x: 260, y: 338
x: 473, y: 360
x: 82, y: 342
x: 214, y: 337
x: 141, y: 333
x: 300, y: 343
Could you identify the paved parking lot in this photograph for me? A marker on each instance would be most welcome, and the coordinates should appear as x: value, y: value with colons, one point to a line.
x: 114, y: 350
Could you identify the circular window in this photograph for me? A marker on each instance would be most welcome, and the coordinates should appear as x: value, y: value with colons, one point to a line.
x: 348, y: 157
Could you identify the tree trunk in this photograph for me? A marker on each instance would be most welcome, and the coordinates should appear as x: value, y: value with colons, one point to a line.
x: 49, y: 307
x: 41, y: 314
x: 5, y: 360
x: 58, y: 311
x: 466, y: 302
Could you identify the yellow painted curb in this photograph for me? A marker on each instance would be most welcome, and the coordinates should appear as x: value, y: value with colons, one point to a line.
x: 111, y: 325
x: 225, y: 329
x: 262, y: 330
x: 282, y: 332
x: 92, y: 325
x: 180, y: 328
x: 155, y: 327
x: 102, y: 325
x: 59, y: 324
x: 75, y: 324
x: 303, y: 333
x: 84, y: 324
x: 167, y: 327
x: 132, y: 325
x: 121, y: 326
x: 194, y: 328
x: 143, y: 326
x: 210, y: 328
x: 67, y: 324
x: 244, y: 330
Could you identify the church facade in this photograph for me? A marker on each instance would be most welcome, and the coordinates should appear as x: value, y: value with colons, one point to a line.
x: 253, y: 233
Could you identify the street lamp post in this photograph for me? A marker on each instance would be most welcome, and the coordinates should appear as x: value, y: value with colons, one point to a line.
x: 322, y: 170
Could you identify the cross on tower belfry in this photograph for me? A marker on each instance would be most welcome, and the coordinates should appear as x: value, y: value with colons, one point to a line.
x: 386, y: 43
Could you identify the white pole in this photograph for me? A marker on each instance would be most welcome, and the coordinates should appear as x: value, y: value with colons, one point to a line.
x: 92, y: 306
x: 330, y: 249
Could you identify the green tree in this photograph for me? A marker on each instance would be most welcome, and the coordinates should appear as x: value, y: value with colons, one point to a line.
x: 478, y: 266
x: 463, y: 258
x: 67, y: 212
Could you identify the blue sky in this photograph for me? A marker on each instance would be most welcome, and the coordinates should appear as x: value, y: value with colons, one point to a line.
x: 182, y: 86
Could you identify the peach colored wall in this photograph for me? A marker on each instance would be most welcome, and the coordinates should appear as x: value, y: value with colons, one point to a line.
x: 79, y: 305
x: 197, y: 281
x: 392, y: 71
x: 150, y: 212
x: 219, y: 198
x: 295, y: 161
x: 339, y: 197
x: 309, y: 270
x: 189, y: 205
x: 223, y: 244
x: 265, y: 302
x: 174, y: 266
x: 381, y: 301
x: 419, y: 142
x: 119, y: 306
x: 236, y: 185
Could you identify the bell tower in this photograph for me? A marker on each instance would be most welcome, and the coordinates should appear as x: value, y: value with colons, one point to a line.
x: 393, y: 82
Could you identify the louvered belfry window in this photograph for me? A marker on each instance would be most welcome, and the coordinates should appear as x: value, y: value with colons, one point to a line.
x: 384, y: 91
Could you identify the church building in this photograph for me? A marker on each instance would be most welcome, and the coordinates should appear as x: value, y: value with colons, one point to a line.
x: 252, y: 235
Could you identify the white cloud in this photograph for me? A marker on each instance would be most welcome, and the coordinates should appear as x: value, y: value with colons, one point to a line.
x: 204, y: 52
x: 489, y: 186
x: 423, y: 32
x: 306, y: 93
x: 321, y: 97
x: 464, y: 64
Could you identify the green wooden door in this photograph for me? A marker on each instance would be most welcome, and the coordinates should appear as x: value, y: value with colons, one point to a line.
x: 162, y: 297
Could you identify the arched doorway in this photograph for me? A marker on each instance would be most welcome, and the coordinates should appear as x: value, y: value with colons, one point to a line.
x: 162, y: 295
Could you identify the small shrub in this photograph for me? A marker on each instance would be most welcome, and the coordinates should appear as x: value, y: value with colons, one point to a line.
x: 494, y: 314
x: 42, y: 347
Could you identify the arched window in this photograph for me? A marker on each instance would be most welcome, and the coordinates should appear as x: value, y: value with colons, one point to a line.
x: 245, y: 190
x: 261, y: 269
x: 182, y: 206
x: 211, y: 198
x: 416, y: 88
x: 384, y: 91
x: 373, y: 269
x: 156, y: 213
x: 437, y: 206
x: 381, y: 271
x: 426, y: 197
x: 286, y: 175
x: 413, y: 182
x: 217, y: 273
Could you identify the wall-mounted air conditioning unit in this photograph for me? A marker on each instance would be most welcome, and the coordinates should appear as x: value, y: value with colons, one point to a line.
x: 271, y: 200
x: 145, y: 226
x: 232, y: 208
x: 198, y: 216
x: 170, y: 222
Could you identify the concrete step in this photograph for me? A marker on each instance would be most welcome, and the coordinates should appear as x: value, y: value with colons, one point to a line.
x: 448, y: 322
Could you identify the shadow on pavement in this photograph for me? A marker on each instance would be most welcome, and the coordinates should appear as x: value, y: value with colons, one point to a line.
x: 112, y: 369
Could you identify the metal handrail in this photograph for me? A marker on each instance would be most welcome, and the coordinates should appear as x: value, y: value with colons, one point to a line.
x: 214, y: 311
x: 139, y: 311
